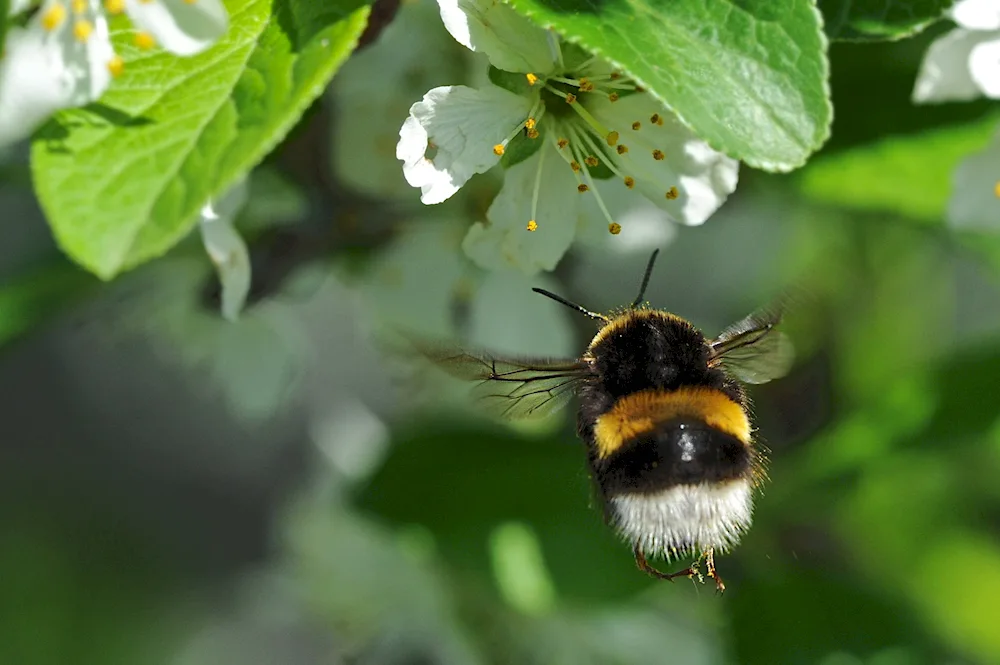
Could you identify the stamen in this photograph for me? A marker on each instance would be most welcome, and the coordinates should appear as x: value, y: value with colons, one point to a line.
x: 636, y: 125
x: 54, y: 16
x: 532, y: 79
x: 498, y: 150
x: 622, y: 149
x: 629, y: 181
x: 600, y: 203
x: 614, y: 228
x: 532, y: 225
x: 116, y: 65
x: 996, y: 189
x: 672, y: 193
x: 591, y: 161
x: 562, y: 143
x: 79, y: 6
x: 144, y: 40
x: 615, y: 75
x: 529, y: 123
x: 532, y: 133
x: 582, y: 188
x: 655, y: 119
x: 612, y: 138
x: 613, y: 97
x: 114, y: 6
x: 570, y: 98
x: 82, y: 30
x: 575, y: 165
x: 658, y: 155
x: 586, y: 85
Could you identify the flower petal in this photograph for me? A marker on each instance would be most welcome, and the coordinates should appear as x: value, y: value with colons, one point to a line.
x: 509, y: 40
x: 226, y: 248
x: 460, y: 126
x: 44, y: 71
x: 504, y: 243
x: 977, y: 14
x: 672, y: 167
x: 181, y: 27
x: 944, y: 74
x: 984, y: 66
x: 975, y: 199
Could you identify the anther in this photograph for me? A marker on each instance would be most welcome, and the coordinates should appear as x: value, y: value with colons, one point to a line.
x: 591, y: 161
x: 672, y: 193
x: 582, y: 188
x: 622, y: 149
x: 530, y: 123
x: 639, y: 88
x: 116, y: 65
x: 498, y: 150
x: 613, y: 97
x: 575, y: 165
x: 658, y: 155
x: 629, y: 181
x: 996, y: 189
x: 82, y: 30
x: 655, y: 118
x: 532, y: 79
x: 54, y: 17
x: 615, y: 76
x: 532, y: 133
x: 614, y: 228
x: 114, y: 6
x: 532, y: 225
x: 636, y: 125
x: 144, y: 40
x: 612, y: 138
x: 570, y: 98
x: 562, y: 143
x: 79, y: 6
x: 586, y: 85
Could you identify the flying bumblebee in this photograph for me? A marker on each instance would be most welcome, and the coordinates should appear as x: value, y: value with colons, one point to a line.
x: 664, y: 416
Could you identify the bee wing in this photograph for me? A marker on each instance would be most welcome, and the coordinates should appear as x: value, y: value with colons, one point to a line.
x: 515, y: 387
x: 752, y: 349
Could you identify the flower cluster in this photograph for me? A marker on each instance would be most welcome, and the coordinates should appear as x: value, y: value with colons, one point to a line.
x: 568, y: 127
x: 63, y: 57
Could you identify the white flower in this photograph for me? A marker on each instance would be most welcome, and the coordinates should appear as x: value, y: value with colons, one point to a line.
x: 963, y: 64
x: 975, y: 198
x: 572, y: 132
x: 226, y: 248
x: 64, y: 58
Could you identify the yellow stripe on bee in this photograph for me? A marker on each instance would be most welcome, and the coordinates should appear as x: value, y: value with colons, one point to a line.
x: 641, y: 412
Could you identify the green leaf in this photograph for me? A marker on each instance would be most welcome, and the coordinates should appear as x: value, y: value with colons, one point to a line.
x: 121, y: 181
x: 875, y: 20
x: 907, y: 175
x: 748, y: 76
x: 4, y: 8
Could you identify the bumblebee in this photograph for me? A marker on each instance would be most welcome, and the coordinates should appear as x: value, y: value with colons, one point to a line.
x: 665, y: 419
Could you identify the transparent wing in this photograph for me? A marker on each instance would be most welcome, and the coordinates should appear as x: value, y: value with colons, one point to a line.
x: 515, y: 387
x: 752, y: 350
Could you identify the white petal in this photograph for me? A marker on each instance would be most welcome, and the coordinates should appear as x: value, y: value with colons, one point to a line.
x: 977, y: 14
x: 703, y: 177
x: 226, y: 248
x: 505, y: 243
x: 183, y: 28
x: 511, y: 41
x: 984, y: 66
x: 463, y: 125
x: 944, y: 74
x: 975, y: 199
x: 18, y: 6
x: 644, y: 225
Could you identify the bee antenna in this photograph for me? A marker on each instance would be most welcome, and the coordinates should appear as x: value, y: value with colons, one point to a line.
x: 645, y: 279
x: 571, y: 305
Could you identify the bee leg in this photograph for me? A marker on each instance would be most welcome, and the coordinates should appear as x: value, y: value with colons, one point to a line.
x: 720, y: 586
x: 644, y: 566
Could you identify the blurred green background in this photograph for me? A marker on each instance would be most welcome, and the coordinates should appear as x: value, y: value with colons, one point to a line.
x: 178, y: 489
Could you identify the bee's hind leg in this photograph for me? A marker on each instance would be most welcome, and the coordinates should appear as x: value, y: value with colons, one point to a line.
x: 644, y: 566
x: 710, y: 570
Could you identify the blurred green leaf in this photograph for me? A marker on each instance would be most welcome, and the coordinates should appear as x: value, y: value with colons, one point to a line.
x: 4, y: 8
x: 867, y: 20
x: 29, y: 299
x: 908, y: 175
x: 749, y: 77
x: 121, y: 181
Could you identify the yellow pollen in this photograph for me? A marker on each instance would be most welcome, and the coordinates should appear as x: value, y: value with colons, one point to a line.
x: 996, y: 189
x: 612, y: 138
x: 614, y: 228
x: 498, y: 149
x: 54, y: 17
x: 532, y: 225
x: 591, y: 161
x: 622, y: 149
x: 144, y: 40
x: 655, y: 118
x: 116, y: 65
x: 672, y: 193
x: 114, y: 6
x: 629, y: 181
x: 532, y: 133
x: 532, y: 79
x: 562, y: 143
x: 582, y: 188
x: 530, y: 123
x: 575, y: 165
x: 79, y: 6
x: 658, y: 155
x: 586, y: 85
x: 636, y: 125
x: 82, y: 30
x: 570, y: 98
x: 613, y: 97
